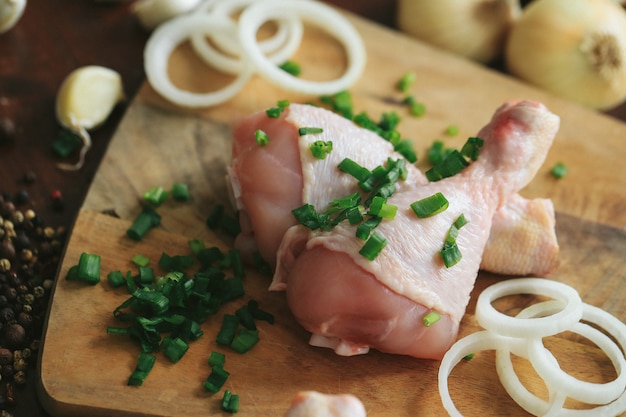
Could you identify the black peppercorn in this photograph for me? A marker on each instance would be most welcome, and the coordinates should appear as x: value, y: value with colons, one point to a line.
x: 15, y: 335
x: 6, y: 356
x: 7, y: 314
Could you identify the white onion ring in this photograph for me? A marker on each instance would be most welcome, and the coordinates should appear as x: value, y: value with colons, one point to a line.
x: 499, y: 323
x: 483, y: 340
x: 317, y: 14
x: 162, y: 43
x: 537, y: 406
x: 281, y: 46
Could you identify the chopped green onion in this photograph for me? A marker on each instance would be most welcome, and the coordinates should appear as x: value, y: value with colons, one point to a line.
x: 429, y: 206
x: 87, y: 269
x: 230, y: 402
x: 452, y: 164
x: 66, y: 143
x: 155, y: 196
x: 196, y: 245
x: 245, y: 317
x: 417, y: 109
x: 450, y: 253
x: 145, y: 363
x: 291, y: 67
x: 216, y: 213
x: 406, y: 81
x: 469, y: 356
x: 471, y: 148
x: 261, y: 137
x: 437, y: 152
x: 146, y: 275
x: 217, y: 359
x: 228, y: 330
x: 180, y: 192
x: 340, y: 102
x: 431, y: 318
x: 245, y: 340
x: 176, y: 262
x: 275, y: 112
x: 174, y: 348
x: 354, y: 169
x: 452, y: 130
x: 116, y: 279
x: 146, y: 220
x: 405, y: 148
x: 365, y: 228
x: 373, y: 246
x: 379, y: 207
x: 216, y: 379
x: 236, y: 263
x: 309, y: 130
x: 140, y: 260
x: 559, y: 170
x: 320, y: 149
x: 257, y: 313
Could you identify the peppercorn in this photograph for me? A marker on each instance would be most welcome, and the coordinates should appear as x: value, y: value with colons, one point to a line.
x: 7, y: 314
x: 15, y: 335
x: 5, y: 265
x: 6, y: 356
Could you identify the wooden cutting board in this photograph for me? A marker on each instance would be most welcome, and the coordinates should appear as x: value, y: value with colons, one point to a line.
x: 84, y: 370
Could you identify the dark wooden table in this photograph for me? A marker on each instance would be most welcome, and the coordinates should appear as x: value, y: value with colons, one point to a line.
x: 53, y: 38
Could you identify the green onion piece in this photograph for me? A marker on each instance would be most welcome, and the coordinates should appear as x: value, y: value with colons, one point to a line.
x: 364, y: 229
x: 405, y: 148
x: 155, y: 196
x: 180, y: 192
x: 429, y: 206
x: 156, y: 301
x: 146, y: 275
x: 116, y: 279
x: 417, y: 109
x: 261, y: 137
x: 257, y: 313
x: 283, y: 104
x: 230, y: 402
x: 228, y: 330
x: 176, y: 262
x: 354, y: 215
x: 245, y: 317
x: 451, y: 255
x: 217, y: 359
x: 174, y: 348
x: 146, y: 220
x: 245, y: 340
x: 431, y: 318
x: 145, y: 363
x: 66, y: 143
x: 140, y: 260
x: 262, y: 266
x: 406, y: 81
x: 320, y: 149
x: 236, y: 263
x: 469, y: 356
x: 379, y: 207
x: 373, y: 246
x: 340, y: 102
x: 87, y: 270
x: 437, y: 152
x: 196, y: 245
x: 309, y: 130
x: 559, y: 170
x: 307, y: 216
x: 354, y: 169
x: 452, y: 164
x: 291, y: 67
x: 452, y: 130
x: 471, y: 148
x: 216, y: 379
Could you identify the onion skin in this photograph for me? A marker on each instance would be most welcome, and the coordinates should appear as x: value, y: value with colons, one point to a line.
x: 475, y: 29
x: 575, y: 49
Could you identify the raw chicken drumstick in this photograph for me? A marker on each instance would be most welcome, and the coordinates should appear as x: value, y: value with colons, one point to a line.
x: 348, y: 302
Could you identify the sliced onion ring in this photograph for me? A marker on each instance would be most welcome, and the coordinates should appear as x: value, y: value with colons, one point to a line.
x: 483, y: 340
x: 162, y: 43
x: 537, y: 406
x: 280, y: 47
x: 318, y: 14
x: 502, y: 324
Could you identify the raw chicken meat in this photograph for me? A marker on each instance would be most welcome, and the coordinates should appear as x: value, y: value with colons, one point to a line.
x: 316, y: 404
x: 347, y: 302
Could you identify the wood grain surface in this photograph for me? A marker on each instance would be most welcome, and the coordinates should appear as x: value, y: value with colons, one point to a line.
x: 83, y: 370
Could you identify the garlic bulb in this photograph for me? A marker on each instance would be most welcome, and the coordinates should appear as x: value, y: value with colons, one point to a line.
x: 475, y: 29
x: 575, y: 49
x: 84, y: 101
x: 10, y: 13
x: 152, y: 13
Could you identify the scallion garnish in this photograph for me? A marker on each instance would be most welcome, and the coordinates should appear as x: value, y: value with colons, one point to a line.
x: 379, y: 207
x: 452, y: 130
x: 450, y: 253
x: 471, y: 148
x: 291, y: 67
x: 309, y: 130
x: 373, y: 246
x: 449, y: 162
x: 245, y: 340
x: 180, y: 192
x: 230, y: 402
x: 155, y: 196
x: 320, y: 149
x: 146, y: 220
x: 406, y: 81
x: 116, y: 279
x: 228, y: 329
x: 417, y: 109
x: 559, y: 170
x: 140, y: 260
x: 145, y: 363
x: 174, y: 348
x: 429, y: 206
x: 261, y: 137
x: 352, y: 168
x: 216, y: 379
x: 87, y: 269
x: 216, y: 359
x: 431, y: 318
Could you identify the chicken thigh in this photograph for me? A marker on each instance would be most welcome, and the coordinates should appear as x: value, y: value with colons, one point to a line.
x: 350, y: 303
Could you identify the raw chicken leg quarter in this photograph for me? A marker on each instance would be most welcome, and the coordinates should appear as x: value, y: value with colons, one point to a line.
x: 352, y: 304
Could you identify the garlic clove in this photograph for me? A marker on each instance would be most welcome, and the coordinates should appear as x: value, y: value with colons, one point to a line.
x: 475, y: 29
x: 85, y: 100
x: 152, y: 13
x: 10, y: 13
x: 575, y: 49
